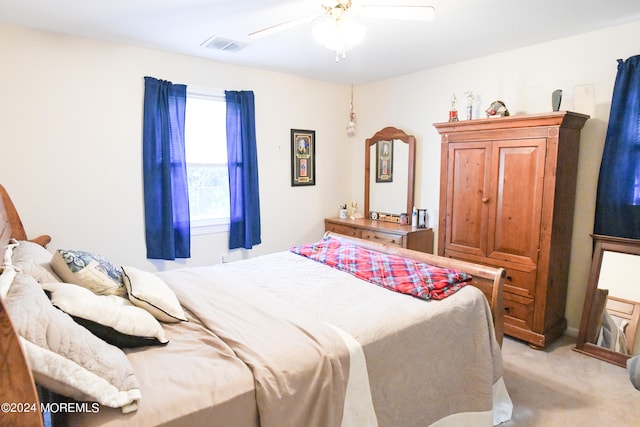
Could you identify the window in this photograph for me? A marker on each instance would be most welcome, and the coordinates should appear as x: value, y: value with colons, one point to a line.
x: 206, y: 156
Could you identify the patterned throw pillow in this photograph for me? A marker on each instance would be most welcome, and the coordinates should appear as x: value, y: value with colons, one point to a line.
x: 88, y: 270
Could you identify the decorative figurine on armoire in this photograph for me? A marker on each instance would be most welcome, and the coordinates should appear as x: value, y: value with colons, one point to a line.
x: 453, y: 113
x: 470, y: 98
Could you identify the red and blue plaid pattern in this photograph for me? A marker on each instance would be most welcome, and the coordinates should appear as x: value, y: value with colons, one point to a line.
x: 389, y: 271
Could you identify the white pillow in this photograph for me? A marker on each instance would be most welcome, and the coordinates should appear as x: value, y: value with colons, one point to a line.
x: 148, y: 291
x: 65, y: 357
x: 112, y: 318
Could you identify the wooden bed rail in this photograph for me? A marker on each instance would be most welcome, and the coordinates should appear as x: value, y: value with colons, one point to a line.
x: 489, y: 280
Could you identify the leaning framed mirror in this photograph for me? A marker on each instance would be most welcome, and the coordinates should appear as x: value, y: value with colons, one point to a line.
x: 389, y: 174
x: 611, y: 314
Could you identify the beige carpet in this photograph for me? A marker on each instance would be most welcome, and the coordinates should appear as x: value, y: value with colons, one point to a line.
x: 560, y: 387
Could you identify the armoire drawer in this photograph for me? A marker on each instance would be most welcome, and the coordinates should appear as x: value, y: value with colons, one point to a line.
x: 517, y: 280
x: 380, y: 237
x: 343, y: 229
x: 520, y: 282
x: 518, y: 310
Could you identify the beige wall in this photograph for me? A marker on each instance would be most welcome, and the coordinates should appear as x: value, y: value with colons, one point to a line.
x: 70, y: 129
x: 584, y: 67
x: 71, y: 126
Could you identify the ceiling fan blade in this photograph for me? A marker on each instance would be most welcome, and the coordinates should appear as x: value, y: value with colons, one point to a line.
x: 412, y: 13
x: 282, y: 26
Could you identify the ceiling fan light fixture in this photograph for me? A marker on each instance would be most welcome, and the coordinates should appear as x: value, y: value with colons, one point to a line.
x: 338, y: 35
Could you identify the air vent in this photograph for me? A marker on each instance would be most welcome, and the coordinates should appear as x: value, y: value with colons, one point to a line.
x: 223, y: 43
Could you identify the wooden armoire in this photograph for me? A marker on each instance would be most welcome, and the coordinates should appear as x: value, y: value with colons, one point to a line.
x: 507, y: 199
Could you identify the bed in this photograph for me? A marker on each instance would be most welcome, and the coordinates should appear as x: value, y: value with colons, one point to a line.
x: 276, y: 340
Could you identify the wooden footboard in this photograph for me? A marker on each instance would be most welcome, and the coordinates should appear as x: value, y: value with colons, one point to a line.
x: 489, y: 280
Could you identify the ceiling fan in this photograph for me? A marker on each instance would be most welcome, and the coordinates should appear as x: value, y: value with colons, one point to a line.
x: 337, y: 31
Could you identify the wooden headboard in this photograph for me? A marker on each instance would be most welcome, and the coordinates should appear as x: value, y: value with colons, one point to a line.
x: 17, y: 384
x: 11, y: 225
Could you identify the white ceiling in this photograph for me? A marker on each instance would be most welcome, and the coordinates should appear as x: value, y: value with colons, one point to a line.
x: 462, y: 29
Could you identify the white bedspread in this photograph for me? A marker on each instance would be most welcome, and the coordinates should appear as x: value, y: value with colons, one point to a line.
x: 427, y: 361
x: 412, y: 363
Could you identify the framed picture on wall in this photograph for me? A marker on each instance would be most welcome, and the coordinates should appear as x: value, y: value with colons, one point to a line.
x: 384, y: 161
x: 303, y: 157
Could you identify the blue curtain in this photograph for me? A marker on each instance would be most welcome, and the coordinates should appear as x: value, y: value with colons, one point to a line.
x: 618, y: 199
x: 244, y: 227
x: 166, y: 196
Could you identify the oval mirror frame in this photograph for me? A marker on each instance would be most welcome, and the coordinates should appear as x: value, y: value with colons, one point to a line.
x: 590, y: 313
x: 390, y: 134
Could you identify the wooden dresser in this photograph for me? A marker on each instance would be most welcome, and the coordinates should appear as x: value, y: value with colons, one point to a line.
x: 507, y: 199
x: 406, y: 236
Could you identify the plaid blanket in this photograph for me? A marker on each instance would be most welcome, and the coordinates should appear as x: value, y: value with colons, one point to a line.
x: 392, y: 272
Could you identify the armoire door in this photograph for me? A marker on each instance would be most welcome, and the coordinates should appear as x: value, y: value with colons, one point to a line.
x: 517, y: 172
x: 468, y: 184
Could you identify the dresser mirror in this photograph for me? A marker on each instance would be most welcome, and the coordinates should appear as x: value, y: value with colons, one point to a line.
x: 611, y: 313
x: 389, y: 175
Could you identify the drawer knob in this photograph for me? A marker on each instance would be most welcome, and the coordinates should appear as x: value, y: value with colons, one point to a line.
x: 509, y: 278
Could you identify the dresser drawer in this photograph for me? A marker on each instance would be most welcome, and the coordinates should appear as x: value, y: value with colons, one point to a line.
x: 382, y: 237
x: 518, y: 310
x: 347, y: 230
